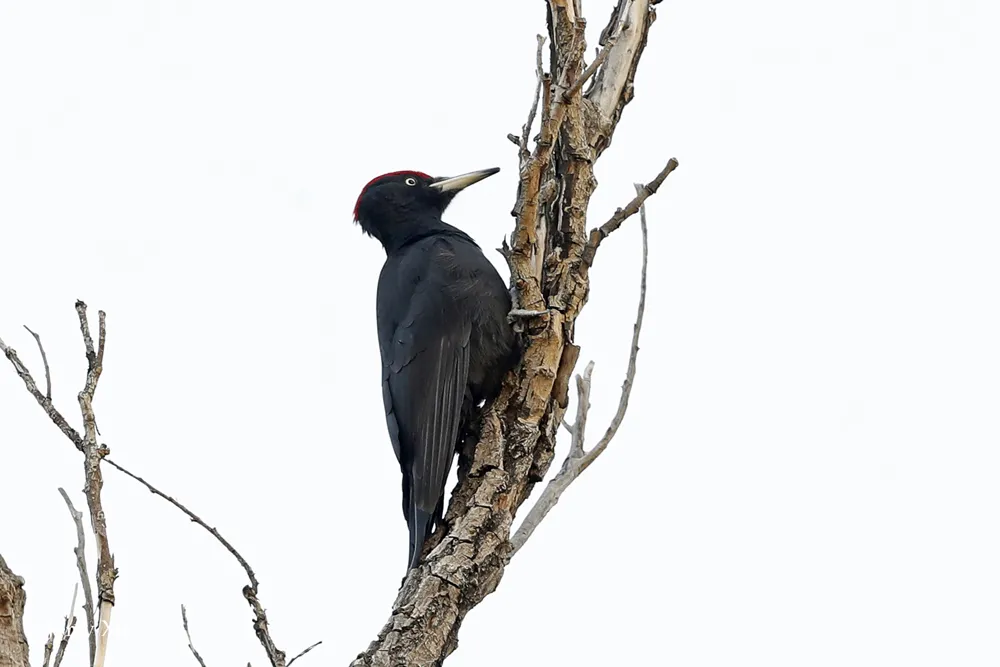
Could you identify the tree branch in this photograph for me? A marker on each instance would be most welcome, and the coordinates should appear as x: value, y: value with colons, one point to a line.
x: 524, y: 153
x: 590, y: 71
x: 81, y: 566
x: 68, y: 625
x: 643, y: 192
x: 303, y: 652
x: 578, y: 459
x: 45, y: 361
x: 46, y: 403
x: 275, y: 655
x: 93, y: 454
x: 184, y: 619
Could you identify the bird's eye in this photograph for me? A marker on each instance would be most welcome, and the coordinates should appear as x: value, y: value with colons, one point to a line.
x: 410, y: 181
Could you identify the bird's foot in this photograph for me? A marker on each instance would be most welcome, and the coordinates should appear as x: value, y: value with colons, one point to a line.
x: 523, y: 313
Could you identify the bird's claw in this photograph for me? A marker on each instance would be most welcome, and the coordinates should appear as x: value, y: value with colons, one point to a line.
x: 522, y: 313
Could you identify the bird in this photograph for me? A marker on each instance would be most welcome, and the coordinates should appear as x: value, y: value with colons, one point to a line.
x: 443, y: 332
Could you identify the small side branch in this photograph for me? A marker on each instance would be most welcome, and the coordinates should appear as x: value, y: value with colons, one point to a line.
x: 275, y: 655
x: 643, y: 192
x: 184, y: 619
x: 591, y: 69
x: 68, y: 625
x: 45, y: 361
x: 578, y: 458
x: 194, y: 517
x: 46, y: 403
x: 50, y: 644
x: 539, y: 78
x: 81, y: 565
x: 303, y: 652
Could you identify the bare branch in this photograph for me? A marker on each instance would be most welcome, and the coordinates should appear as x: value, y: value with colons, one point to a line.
x: 93, y: 454
x: 579, y: 428
x: 616, y: 422
x: 184, y: 618
x: 68, y: 625
x: 194, y: 517
x: 643, y: 192
x: 591, y: 69
x: 81, y: 565
x: 612, y: 90
x: 49, y: 646
x: 578, y: 458
x: 46, y: 403
x: 539, y: 77
x: 275, y: 655
x: 304, y: 651
x: 45, y: 361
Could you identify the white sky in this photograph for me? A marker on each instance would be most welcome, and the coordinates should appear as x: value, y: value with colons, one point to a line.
x: 808, y: 471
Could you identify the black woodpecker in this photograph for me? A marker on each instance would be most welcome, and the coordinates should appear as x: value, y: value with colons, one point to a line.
x: 443, y: 332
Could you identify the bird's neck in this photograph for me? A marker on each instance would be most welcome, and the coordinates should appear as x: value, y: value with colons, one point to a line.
x: 398, y: 236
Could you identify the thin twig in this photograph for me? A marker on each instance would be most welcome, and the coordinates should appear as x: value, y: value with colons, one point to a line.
x: 45, y: 360
x: 616, y: 422
x: 81, y: 565
x: 579, y: 427
x: 643, y: 192
x: 194, y: 517
x: 274, y: 654
x: 46, y: 403
x: 578, y: 458
x: 304, y: 651
x: 197, y: 656
x: 68, y: 625
x: 49, y: 645
x: 589, y: 72
x: 539, y: 76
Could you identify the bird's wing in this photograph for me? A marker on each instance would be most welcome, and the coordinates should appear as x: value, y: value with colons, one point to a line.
x: 425, y: 366
x: 427, y: 389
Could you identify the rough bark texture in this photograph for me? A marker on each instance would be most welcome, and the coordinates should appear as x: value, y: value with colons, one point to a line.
x: 549, y: 257
x: 13, y: 644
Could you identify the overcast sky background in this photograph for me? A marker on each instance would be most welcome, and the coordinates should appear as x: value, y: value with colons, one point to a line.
x: 808, y: 471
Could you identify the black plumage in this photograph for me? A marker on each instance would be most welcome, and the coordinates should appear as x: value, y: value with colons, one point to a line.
x: 443, y: 332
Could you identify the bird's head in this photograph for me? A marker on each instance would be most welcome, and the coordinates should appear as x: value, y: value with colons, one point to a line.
x: 408, y: 198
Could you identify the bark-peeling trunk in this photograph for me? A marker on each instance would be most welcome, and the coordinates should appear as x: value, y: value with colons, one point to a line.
x: 13, y: 645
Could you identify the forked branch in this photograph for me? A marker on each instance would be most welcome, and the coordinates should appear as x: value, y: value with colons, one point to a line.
x: 578, y: 458
x: 81, y: 566
x: 93, y: 453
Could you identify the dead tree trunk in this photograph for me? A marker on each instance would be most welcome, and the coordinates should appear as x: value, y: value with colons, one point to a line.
x: 13, y: 644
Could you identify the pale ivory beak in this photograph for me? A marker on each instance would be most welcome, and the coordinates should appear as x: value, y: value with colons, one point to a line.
x: 457, y: 183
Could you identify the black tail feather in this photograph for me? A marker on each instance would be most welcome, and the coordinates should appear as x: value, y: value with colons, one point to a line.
x: 420, y: 530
